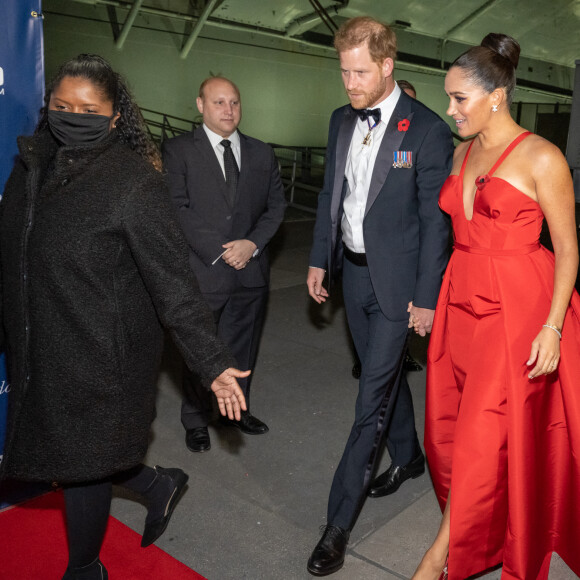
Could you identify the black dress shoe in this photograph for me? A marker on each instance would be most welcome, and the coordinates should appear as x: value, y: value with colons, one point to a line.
x: 174, y: 484
x: 410, y: 364
x: 93, y: 571
x: 248, y: 424
x: 328, y: 556
x: 356, y: 370
x: 390, y: 481
x: 197, y: 440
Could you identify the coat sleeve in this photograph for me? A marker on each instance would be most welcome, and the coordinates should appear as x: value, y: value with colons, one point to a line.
x: 160, y: 253
x: 202, y: 237
x: 433, y: 167
x: 269, y: 222
x: 322, y: 227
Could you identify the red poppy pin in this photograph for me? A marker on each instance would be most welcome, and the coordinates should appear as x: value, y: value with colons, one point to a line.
x: 481, y: 181
x: 404, y: 124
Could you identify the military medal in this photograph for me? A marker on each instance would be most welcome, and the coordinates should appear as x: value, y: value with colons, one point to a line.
x: 367, y: 140
x: 402, y: 159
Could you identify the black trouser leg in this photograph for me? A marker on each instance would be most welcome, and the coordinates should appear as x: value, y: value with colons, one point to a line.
x: 239, y: 317
x: 380, y: 344
x: 87, y: 513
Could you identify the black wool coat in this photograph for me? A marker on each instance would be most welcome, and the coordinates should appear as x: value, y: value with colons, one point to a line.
x: 93, y: 262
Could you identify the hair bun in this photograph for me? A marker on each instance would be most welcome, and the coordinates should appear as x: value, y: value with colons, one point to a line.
x: 504, y: 45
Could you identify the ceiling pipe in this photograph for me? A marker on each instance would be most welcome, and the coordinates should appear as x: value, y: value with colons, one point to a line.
x: 324, y: 16
x: 304, y: 23
x: 467, y: 20
x: 197, y: 29
x: 128, y: 23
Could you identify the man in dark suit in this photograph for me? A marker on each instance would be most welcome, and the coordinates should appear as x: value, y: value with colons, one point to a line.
x: 378, y: 220
x: 230, y: 201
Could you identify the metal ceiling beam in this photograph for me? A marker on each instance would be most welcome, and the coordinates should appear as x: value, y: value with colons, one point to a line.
x: 128, y: 23
x: 197, y: 29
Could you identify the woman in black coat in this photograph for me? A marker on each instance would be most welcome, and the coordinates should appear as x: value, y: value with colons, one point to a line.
x: 93, y: 263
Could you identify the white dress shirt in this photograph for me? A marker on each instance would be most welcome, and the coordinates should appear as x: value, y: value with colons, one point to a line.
x: 215, y: 141
x: 359, y: 170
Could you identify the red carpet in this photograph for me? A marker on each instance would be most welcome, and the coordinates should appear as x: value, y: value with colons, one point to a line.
x: 33, y: 547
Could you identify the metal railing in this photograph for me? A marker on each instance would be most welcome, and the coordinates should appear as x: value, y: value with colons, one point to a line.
x: 302, y: 171
x: 162, y: 126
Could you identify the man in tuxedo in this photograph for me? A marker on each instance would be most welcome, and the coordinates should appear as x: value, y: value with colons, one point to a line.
x: 230, y: 202
x: 379, y: 222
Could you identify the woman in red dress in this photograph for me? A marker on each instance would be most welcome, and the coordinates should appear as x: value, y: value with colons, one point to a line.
x: 503, y: 384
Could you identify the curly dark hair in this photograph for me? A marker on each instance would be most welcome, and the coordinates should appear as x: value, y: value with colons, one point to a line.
x: 111, y: 85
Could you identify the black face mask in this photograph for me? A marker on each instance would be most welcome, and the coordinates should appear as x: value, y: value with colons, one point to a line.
x: 78, y: 128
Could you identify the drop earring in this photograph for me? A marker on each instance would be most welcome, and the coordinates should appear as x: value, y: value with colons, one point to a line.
x: 494, y: 108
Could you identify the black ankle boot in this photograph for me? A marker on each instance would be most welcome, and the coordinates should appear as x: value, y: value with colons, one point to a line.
x: 93, y: 571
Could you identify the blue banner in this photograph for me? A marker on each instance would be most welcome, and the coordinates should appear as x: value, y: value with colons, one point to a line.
x: 21, y: 97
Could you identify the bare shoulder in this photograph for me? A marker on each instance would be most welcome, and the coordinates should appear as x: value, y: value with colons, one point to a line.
x: 541, y: 155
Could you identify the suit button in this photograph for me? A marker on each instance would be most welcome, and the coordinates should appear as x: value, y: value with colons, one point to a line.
x: 228, y: 217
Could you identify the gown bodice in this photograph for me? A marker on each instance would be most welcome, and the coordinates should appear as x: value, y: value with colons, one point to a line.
x: 504, y: 219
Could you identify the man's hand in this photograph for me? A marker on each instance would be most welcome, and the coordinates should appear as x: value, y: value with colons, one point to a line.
x: 421, y: 319
x: 314, y: 283
x: 229, y: 396
x: 238, y: 253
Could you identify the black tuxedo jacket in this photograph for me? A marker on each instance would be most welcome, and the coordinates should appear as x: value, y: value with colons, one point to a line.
x: 198, y: 189
x: 405, y: 232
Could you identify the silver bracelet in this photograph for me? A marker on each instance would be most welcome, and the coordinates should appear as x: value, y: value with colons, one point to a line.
x: 554, y: 328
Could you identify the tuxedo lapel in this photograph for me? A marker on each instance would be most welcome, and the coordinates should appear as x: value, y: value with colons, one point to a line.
x: 345, y: 133
x: 210, y: 161
x: 391, y: 142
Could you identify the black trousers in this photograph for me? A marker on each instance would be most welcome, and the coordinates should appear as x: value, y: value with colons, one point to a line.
x: 239, y: 316
x: 384, y: 399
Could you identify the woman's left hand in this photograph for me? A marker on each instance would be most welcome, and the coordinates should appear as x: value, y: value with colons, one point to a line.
x: 545, y: 353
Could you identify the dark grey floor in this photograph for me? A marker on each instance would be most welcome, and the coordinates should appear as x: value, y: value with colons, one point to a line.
x: 254, y: 503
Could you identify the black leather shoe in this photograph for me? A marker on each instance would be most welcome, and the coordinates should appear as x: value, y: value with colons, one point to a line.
x: 356, y: 370
x: 155, y: 528
x: 93, y: 571
x: 328, y: 556
x: 390, y: 481
x: 248, y: 424
x: 410, y: 364
x: 197, y: 440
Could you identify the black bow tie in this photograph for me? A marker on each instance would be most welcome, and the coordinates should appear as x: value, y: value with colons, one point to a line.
x: 364, y: 114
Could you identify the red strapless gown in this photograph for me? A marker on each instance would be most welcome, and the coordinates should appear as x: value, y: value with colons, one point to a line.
x: 508, y: 446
